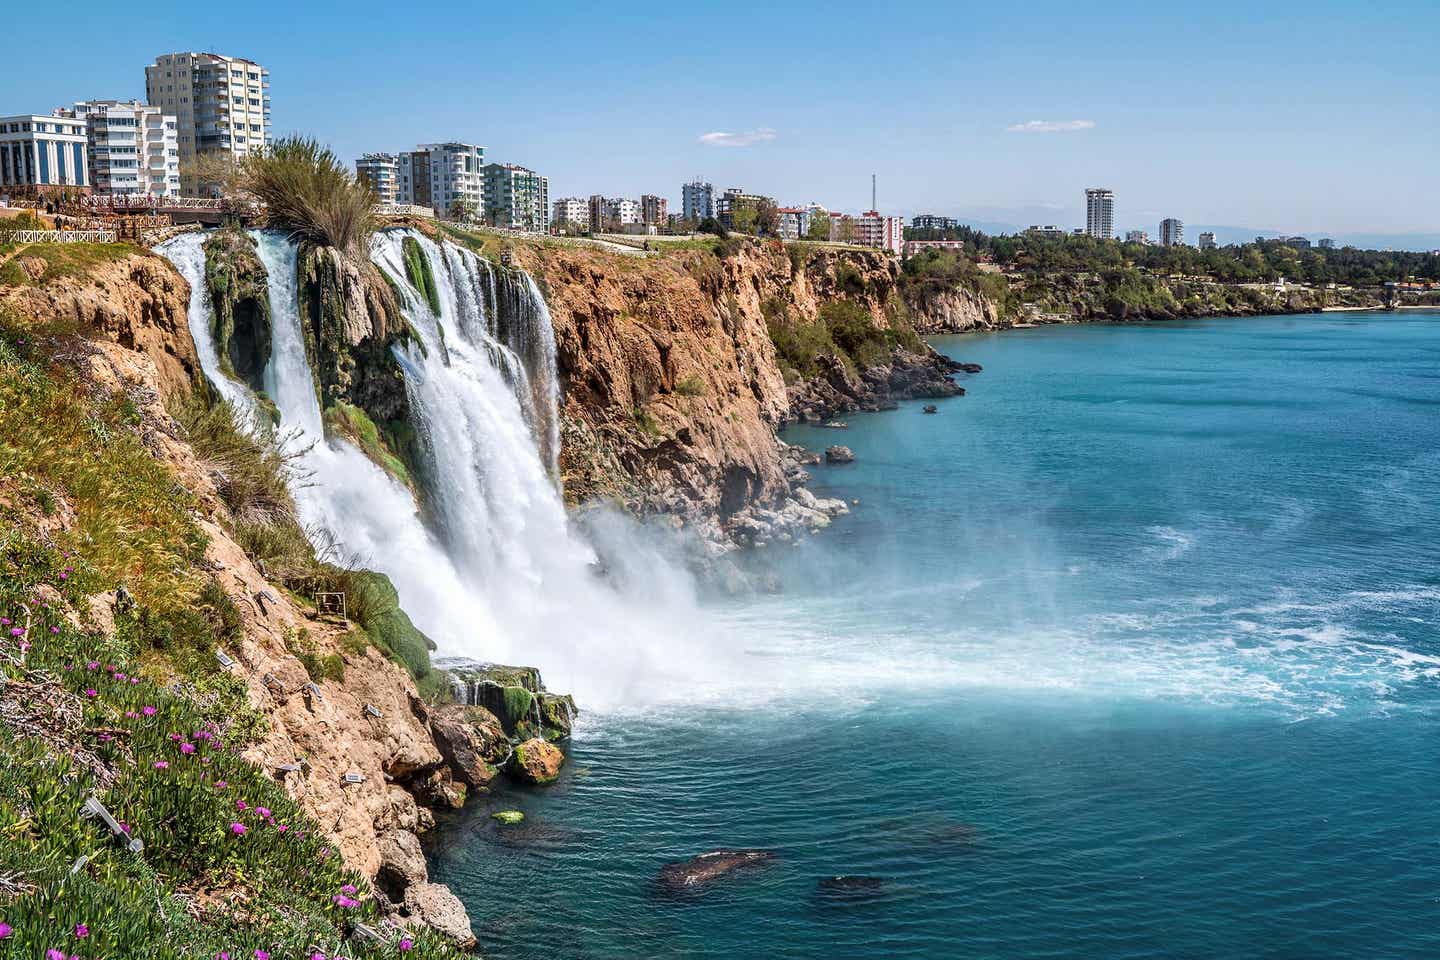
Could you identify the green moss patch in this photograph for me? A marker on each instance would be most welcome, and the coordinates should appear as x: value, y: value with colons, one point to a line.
x: 417, y: 271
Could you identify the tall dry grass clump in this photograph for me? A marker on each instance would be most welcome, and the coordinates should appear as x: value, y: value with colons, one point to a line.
x: 309, y: 192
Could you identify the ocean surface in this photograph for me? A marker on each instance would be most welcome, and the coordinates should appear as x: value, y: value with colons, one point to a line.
x: 1131, y: 652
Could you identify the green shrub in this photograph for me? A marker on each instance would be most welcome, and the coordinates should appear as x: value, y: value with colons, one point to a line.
x: 690, y: 386
x: 309, y: 192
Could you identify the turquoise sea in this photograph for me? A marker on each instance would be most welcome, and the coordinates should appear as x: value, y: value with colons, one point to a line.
x: 1131, y: 652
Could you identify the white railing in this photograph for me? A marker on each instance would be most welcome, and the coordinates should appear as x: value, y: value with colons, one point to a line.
x: 145, y: 201
x: 59, y: 236
x: 404, y: 210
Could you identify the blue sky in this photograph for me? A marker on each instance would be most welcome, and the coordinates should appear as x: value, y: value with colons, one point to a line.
x: 1315, y: 117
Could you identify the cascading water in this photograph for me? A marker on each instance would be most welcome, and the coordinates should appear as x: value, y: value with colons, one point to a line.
x: 187, y: 253
x: 497, y: 574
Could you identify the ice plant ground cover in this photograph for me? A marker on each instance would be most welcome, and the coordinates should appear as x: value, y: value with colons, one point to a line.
x: 83, y: 713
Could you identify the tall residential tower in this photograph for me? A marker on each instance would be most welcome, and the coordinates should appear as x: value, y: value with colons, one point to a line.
x: 1100, y: 213
x: 221, y: 106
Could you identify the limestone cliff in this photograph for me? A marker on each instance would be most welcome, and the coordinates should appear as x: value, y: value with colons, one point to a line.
x: 115, y: 293
x: 679, y: 368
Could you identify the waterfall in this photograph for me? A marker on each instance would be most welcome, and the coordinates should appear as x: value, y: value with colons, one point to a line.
x: 187, y: 253
x: 494, y: 571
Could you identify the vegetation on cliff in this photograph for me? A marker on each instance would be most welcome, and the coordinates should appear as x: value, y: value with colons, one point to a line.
x: 307, y: 191
x: 106, y: 601
x: 417, y: 271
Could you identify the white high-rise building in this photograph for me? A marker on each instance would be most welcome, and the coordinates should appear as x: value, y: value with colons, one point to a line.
x: 447, y: 177
x: 516, y: 198
x: 133, y: 147
x: 697, y: 201
x: 1137, y: 236
x: 382, y: 172
x: 42, y: 153
x: 221, y: 107
x: 1207, y: 240
x: 1172, y: 232
x: 1100, y: 213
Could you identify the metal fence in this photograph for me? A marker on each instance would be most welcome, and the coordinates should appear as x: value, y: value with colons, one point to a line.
x: 58, y: 236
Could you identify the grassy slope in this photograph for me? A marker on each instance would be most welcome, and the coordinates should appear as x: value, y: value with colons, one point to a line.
x: 85, y: 507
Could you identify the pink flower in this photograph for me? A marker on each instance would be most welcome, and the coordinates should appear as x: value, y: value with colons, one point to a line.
x: 119, y: 676
x: 282, y: 828
x: 406, y: 946
x: 5, y: 930
x: 241, y: 805
x: 148, y: 711
x: 221, y: 784
x: 90, y: 692
x: 162, y: 764
x: 261, y: 955
x: 134, y: 680
x: 264, y: 814
x: 238, y: 829
x: 176, y: 737
x: 131, y: 715
x: 317, y: 956
x: 93, y: 665
x: 54, y: 629
x: 53, y: 954
x: 344, y: 902
x: 125, y: 828
x: 81, y: 931
x: 222, y: 955
x: 187, y: 748
x: 349, y: 888
x: 17, y: 631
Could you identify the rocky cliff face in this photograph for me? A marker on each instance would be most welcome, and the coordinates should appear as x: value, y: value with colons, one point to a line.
x: 124, y: 296
x: 675, y: 385
x: 953, y: 310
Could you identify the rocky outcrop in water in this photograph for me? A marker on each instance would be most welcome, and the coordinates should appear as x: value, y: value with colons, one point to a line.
x: 699, y: 871
x: 536, y: 762
x: 515, y: 697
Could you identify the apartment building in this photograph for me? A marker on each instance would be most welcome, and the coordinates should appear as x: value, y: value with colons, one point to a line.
x: 697, y: 200
x: 1049, y: 231
x: 382, y: 172
x: 43, y: 154
x: 447, y: 177
x: 221, y: 107
x: 133, y: 148
x: 794, y: 222
x: 653, y: 212
x: 874, y: 229
x: 1207, y: 240
x: 928, y: 221
x: 1100, y: 213
x: 733, y: 201
x: 1324, y: 243
x: 516, y: 198
x: 1137, y: 236
x: 571, y: 212
x: 1172, y: 232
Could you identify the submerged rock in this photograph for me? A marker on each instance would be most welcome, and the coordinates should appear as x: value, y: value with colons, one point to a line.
x: 536, y: 761
x: 707, y: 867
x: 508, y: 816
x: 930, y: 408
x: 839, y: 454
x: 848, y: 883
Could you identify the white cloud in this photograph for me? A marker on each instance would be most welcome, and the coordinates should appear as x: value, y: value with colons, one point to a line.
x: 1050, y: 126
x: 747, y: 139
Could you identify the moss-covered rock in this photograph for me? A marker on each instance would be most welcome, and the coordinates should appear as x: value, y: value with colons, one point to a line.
x: 240, y: 298
x: 516, y: 696
x: 417, y: 271
x: 508, y: 817
x: 536, y: 761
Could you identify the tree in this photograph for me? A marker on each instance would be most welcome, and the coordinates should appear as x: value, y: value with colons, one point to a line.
x: 743, y: 218
x: 819, y: 226
x: 767, y: 219
x: 462, y: 209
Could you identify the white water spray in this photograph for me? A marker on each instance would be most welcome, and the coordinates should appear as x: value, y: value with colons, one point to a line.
x: 497, y: 574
